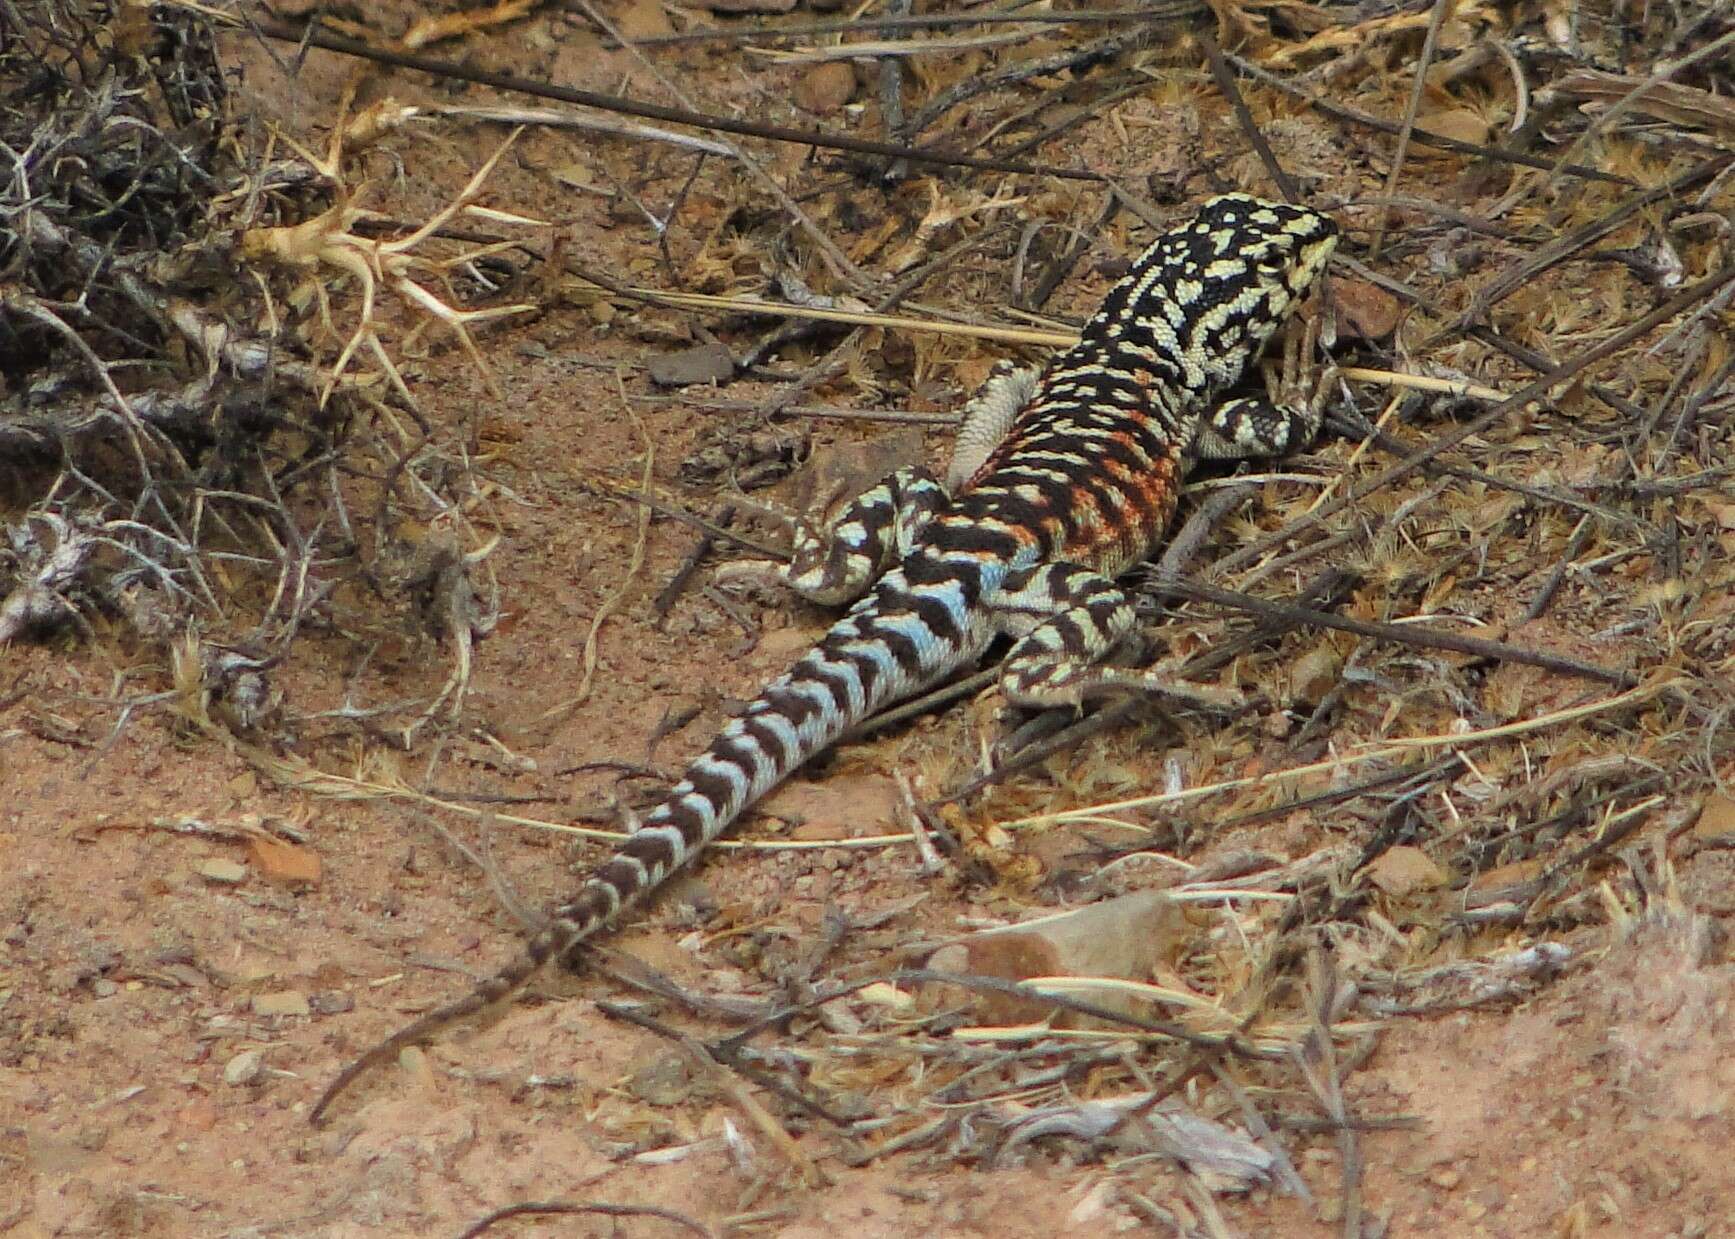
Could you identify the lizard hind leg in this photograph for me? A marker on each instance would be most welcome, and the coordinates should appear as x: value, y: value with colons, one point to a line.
x: 875, y: 530
x: 1067, y: 620
x: 988, y: 417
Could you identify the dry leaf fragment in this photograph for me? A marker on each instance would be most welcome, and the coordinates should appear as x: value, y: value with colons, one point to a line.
x: 1404, y: 870
x: 222, y: 871
x: 414, y: 1060
x: 703, y: 363
x: 825, y: 88
x: 1716, y: 819
x: 1315, y: 674
x: 284, y: 862
x: 1686, y: 106
x: 1459, y: 123
x: 432, y: 30
x: 1125, y: 937
x: 1364, y: 311
x: 1224, y: 1159
x: 1505, y: 884
x: 643, y: 19
x: 1723, y: 511
x: 747, y: 6
x: 283, y: 1002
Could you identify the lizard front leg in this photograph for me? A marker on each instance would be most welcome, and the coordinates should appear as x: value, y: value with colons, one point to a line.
x: 1067, y: 619
x: 1282, y: 420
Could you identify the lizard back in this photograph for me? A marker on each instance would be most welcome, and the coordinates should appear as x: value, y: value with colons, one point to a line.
x: 1085, y: 479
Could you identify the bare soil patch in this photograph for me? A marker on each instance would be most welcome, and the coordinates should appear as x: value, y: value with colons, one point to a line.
x: 1447, y: 942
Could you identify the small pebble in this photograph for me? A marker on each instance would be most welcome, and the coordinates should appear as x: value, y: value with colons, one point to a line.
x: 284, y: 1002
x: 414, y: 1060
x: 703, y: 363
x: 825, y: 88
x: 331, y: 1002
x: 228, y: 872
x: 665, y: 1081
x: 243, y: 1068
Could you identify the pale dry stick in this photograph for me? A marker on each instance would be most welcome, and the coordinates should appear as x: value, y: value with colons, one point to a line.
x: 537, y: 1208
x: 1429, y: 42
x: 1463, y: 389
x: 1004, y: 335
x: 890, y: 48
x: 1520, y: 87
x: 909, y: 810
x: 1686, y: 299
x: 1383, y: 751
x: 1159, y: 995
x: 551, y: 118
x: 343, y: 787
x: 1152, y: 11
x: 1330, y: 488
x: 1255, y: 1045
x: 862, y: 318
x: 835, y: 258
x: 1601, y: 120
x: 634, y: 562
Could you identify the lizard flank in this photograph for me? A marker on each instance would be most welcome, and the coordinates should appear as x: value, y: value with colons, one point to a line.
x: 1065, y: 478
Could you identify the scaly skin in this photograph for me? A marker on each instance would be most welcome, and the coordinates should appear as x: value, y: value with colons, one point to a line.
x: 1090, y: 459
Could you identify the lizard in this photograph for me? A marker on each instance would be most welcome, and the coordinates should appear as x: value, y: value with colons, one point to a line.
x: 1065, y: 477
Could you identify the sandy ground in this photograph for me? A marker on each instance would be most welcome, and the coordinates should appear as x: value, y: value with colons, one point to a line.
x: 166, y: 1022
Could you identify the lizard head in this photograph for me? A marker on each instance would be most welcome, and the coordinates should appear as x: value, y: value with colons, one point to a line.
x: 1256, y: 260
x: 1222, y: 284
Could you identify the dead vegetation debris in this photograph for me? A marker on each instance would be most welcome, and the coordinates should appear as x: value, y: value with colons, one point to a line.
x: 210, y: 449
x: 1490, y: 626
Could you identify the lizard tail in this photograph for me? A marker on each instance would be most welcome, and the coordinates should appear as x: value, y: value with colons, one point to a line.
x: 889, y: 645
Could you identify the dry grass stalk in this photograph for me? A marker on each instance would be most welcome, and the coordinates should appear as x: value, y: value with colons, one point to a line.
x: 1586, y: 508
